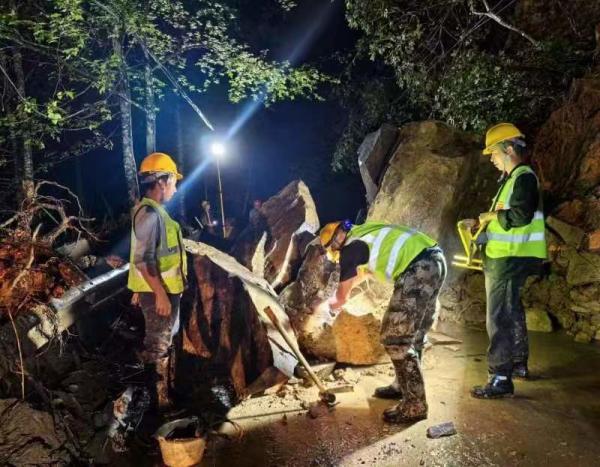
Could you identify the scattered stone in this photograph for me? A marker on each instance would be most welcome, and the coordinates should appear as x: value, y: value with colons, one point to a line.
x: 593, y: 241
x: 438, y: 338
x: 583, y: 337
x: 317, y: 409
x: 322, y: 370
x: 443, y: 429
x: 584, y: 268
x: 538, y: 320
x: 73, y: 387
x: 571, y: 235
x: 453, y: 348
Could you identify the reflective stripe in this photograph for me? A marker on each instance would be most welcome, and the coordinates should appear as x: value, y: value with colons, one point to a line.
x: 524, y: 238
x: 368, y: 238
x: 374, y: 254
x: 391, y: 265
x: 539, y: 215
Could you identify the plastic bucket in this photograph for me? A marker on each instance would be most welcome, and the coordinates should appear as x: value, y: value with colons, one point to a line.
x: 184, y: 451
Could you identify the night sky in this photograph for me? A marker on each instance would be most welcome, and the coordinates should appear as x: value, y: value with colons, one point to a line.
x: 274, y: 146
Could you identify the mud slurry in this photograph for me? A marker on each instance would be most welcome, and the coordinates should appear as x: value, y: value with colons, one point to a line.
x: 552, y: 420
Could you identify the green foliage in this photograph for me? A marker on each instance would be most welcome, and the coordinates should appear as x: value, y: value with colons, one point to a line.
x: 73, y: 42
x: 450, y: 65
x: 478, y: 89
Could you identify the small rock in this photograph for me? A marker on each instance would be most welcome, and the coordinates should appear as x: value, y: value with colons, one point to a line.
x: 338, y: 374
x: 538, y: 320
x: 73, y: 387
x: 583, y: 338
x: 317, y: 409
x: 443, y: 429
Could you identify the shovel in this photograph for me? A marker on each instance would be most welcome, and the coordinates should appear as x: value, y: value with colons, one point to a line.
x: 326, y: 396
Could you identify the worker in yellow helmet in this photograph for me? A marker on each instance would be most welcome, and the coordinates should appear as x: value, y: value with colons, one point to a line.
x: 415, y: 264
x: 158, y: 266
x: 514, y: 247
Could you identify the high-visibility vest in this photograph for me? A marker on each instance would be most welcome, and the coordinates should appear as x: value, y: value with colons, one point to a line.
x: 391, y: 247
x: 170, y: 254
x: 526, y: 241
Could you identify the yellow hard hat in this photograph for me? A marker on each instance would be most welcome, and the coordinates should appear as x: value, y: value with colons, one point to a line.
x: 327, y: 233
x: 499, y: 133
x: 159, y: 162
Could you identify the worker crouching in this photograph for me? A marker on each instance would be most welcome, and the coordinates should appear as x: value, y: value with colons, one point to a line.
x: 416, y: 265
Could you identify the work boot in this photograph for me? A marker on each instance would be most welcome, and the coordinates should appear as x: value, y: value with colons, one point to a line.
x: 162, y: 385
x: 406, y: 412
x: 388, y: 392
x: 520, y: 370
x: 498, y: 386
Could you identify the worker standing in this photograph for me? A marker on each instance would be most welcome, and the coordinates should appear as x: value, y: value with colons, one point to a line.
x: 416, y: 265
x: 157, y: 274
x: 514, y: 247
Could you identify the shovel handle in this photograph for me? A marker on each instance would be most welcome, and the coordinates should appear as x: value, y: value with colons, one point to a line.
x: 295, y: 349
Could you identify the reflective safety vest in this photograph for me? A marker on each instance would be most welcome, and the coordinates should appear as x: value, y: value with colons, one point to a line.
x: 391, y: 247
x: 526, y: 241
x: 170, y: 254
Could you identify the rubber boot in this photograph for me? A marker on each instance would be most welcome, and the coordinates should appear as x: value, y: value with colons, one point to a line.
x: 391, y: 391
x: 414, y: 405
x: 162, y: 385
x: 520, y: 370
x: 498, y: 386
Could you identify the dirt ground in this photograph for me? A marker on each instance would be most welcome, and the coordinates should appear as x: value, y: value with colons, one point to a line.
x: 552, y: 420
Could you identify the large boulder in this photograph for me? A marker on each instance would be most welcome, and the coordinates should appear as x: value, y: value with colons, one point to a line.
x: 226, y: 333
x: 273, y: 245
x: 436, y: 176
x: 431, y: 180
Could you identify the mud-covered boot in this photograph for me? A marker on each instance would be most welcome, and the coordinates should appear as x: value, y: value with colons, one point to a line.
x: 391, y: 391
x: 406, y: 412
x: 520, y: 370
x: 497, y: 387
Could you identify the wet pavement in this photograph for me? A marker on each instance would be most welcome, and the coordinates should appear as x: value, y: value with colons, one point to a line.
x: 553, y: 420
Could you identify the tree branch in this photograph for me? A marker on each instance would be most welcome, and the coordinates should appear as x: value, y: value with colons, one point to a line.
x: 490, y: 14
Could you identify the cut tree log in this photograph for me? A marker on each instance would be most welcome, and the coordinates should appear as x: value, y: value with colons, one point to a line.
x: 224, y: 326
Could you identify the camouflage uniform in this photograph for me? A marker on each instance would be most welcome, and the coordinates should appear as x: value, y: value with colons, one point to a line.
x: 410, y: 314
x: 159, y: 329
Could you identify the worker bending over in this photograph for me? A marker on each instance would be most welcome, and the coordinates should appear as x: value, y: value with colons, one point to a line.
x: 416, y: 265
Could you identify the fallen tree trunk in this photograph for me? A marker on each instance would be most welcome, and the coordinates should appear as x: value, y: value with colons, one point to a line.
x: 225, y: 330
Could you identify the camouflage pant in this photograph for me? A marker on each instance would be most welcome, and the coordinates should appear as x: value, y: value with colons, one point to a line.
x: 160, y: 330
x: 410, y: 314
x: 505, y: 323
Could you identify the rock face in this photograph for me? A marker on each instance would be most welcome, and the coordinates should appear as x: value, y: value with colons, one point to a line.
x: 567, y: 148
x: 273, y: 246
x: 427, y: 180
x: 225, y: 328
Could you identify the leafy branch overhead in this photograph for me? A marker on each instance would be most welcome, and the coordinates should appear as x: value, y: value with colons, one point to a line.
x: 180, y: 46
x: 466, y: 62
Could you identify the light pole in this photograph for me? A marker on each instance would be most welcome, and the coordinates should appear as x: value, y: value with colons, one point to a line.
x: 218, y: 150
